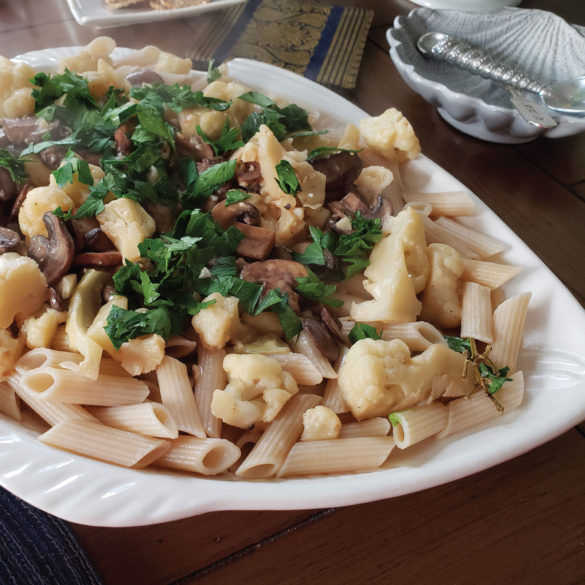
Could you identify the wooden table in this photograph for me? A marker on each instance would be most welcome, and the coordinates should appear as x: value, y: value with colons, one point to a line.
x: 520, y: 522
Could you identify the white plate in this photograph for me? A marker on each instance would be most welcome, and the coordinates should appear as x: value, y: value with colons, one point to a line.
x: 96, y: 13
x: 90, y: 492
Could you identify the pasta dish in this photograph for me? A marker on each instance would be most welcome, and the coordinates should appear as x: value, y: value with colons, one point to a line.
x: 200, y: 277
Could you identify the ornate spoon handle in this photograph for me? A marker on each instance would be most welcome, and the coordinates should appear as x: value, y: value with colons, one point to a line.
x: 442, y: 47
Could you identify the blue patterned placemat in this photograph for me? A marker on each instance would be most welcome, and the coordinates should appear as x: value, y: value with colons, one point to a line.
x: 39, y: 549
x: 322, y: 42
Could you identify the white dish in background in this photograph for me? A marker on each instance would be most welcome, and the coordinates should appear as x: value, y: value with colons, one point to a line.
x: 468, y: 5
x: 541, y: 43
x: 90, y: 492
x: 96, y: 13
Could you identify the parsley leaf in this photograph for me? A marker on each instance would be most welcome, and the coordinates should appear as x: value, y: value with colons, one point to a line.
x: 70, y: 166
x: 51, y: 87
x: 312, y: 287
x: 227, y: 141
x: 494, y: 380
x: 363, y: 331
x: 208, y: 181
x: 327, y: 150
x: 176, y: 97
x: 123, y: 324
x: 235, y: 196
x: 213, y: 72
x: 287, y: 179
x: 458, y: 344
x: 14, y: 166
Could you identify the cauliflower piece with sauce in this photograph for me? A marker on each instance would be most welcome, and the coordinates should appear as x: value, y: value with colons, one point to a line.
x: 441, y: 301
x: 10, y: 350
x: 391, y: 135
x: 379, y: 377
x: 39, y: 330
x: 127, y: 224
x: 218, y: 323
x: 256, y: 391
x: 320, y: 423
x: 23, y: 287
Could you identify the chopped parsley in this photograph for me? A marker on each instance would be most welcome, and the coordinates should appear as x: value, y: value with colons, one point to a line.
x: 228, y: 140
x: 14, y: 166
x: 363, y: 331
x: 235, y: 196
x: 286, y: 178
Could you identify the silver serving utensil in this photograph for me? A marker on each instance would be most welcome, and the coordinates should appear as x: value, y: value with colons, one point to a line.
x: 566, y: 97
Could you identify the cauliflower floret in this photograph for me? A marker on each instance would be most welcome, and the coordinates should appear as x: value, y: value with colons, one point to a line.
x: 379, y: 377
x: 441, y: 299
x: 210, y: 121
x: 39, y: 331
x: 218, y: 323
x: 23, y: 287
x: 231, y: 91
x: 397, y: 271
x: 320, y: 423
x: 15, y: 89
x: 127, y: 224
x: 36, y: 203
x: 78, y: 191
x: 137, y: 356
x: 10, y: 350
x: 256, y: 391
x: 391, y: 135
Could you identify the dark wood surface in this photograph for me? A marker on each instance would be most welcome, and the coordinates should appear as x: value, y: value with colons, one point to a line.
x: 522, y: 522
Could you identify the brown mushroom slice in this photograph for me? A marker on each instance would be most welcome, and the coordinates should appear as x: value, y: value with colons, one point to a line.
x: 258, y: 241
x: 88, y: 236
x: 123, y: 143
x: 52, y: 156
x: 54, y: 254
x: 276, y: 274
x: 142, y: 77
x: 9, y: 240
x: 341, y: 170
x: 248, y: 174
x: 195, y: 147
x: 242, y: 212
x: 18, y: 202
x: 8, y: 188
x: 333, y: 326
x: 322, y: 339
x: 98, y: 260
x: 55, y: 300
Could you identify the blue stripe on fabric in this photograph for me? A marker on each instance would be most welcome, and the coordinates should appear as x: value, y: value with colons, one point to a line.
x: 225, y: 48
x: 320, y: 52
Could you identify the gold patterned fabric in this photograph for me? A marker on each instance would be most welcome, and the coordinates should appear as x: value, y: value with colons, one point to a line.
x: 322, y: 42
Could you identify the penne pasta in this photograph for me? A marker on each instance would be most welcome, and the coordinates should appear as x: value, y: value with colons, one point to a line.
x: 302, y: 369
x: 61, y: 385
x: 9, y: 404
x: 206, y: 456
x: 416, y: 424
x: 210, y: 377
x: 374, y: 427
x: 447, y: 203
x: 45, y: 357
x: 269, y: 453
x: 177, y: 395
x: 345, y: 455
x: 147, y: 418
x: 467, y: 412
x: 98, y: 441
x: 306, y: 346
x: 333, y: 397
x: 490, y: 274
x: 476, y: 312
x: 508, y: 328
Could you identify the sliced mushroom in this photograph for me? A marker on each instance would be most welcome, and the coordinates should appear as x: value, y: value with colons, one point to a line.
x: 9, y: 240
x: 8, y: 188
x: 123, y: 143
x: 51, y: 157
x: 98, y: 259
x: 248, y: 174
x: 143, y: 77
x: 55, y: 300
x: 30, y: 130
x: 258, y: 242
x: 18, y: 202
x: 88, y: 236
x: 341, y: 170
x: 54, y: 254
x: 276, y: 274
x: 164, y: 216
x: 321, y: 337
x: 242, y: 212
x: 333, y: 326
x: 195, y: 147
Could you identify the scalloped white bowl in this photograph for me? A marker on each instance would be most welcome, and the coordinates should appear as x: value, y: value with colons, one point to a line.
x: 544, y: 45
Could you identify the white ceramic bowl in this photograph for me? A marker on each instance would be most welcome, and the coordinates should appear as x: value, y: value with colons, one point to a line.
x: 541, y: 43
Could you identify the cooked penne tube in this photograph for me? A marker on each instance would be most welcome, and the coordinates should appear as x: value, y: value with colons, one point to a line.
x: 147, y: 418
x: 416, y: 424
x: 177, y: 395
x: 50, y: 411
x: 306, y: 346
x: 467, y: 412
x: 418, y: 335
x: 483, y: 245
x: 210, y: 377
x: 60, y: 340
x: 302, y: 369
x: 447, y: 203
x: 269, y: 453
x: 336, y: 456
x: 476, y: 312
x: 45, y: 357
x: 490, y: 274
x: 508, y: 326
x: 437, y: 234
x: 178, y: 346
x: 9, y: 404
x: 373, y: 427
x: 98, y: 441
x: 61, y: 385
x: 206, y: 456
